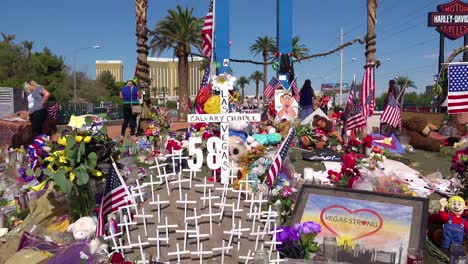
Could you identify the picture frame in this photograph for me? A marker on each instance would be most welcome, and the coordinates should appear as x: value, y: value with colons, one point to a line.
x: 369, y: 226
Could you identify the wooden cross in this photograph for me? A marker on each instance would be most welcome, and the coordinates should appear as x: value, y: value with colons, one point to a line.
x: 200, y: 253
x: 257, y: 235
x: 193, y: 174
x: 223, y: 118
x: 239, y: 193
x: 143, y: 216
x: 127, y: 230
x: 138, y: 188
x: 178, y: 253
x: 222, y: 204
x: 185, y: 202
x: 198, y: 236
x: 247, y: 258
x: 186, y: 232
x: 204, y: 185
x: 167, y: 226
x: 269, y: 219
x: 152, y: 183
x: 273, y: 241
x: 239, y: 234
x: 113, y: 236
x: 159, y: 203
x: 210, y: 211
x: 158, y: 239
x: 255, y: 214
x: 140, y: 245
x: 180, y: 180
x: 222, y: 249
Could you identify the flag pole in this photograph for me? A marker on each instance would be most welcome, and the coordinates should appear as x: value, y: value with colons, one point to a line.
x: 213, y: 33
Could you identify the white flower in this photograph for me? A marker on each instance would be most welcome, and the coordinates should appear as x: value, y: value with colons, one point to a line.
x: 274, y: 192
x: 286, y: 183
x: 223, y: 81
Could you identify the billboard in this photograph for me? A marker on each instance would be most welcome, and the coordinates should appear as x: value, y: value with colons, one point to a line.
x: 334, y: 87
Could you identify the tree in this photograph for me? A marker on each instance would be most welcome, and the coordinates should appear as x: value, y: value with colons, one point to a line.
x: 256, y: 77
x: 242, y: 81
x: 142, y: 47
x: 28, y: 45
x: 266, y: 47
x: 107, y: 81
x: 299, y: 51
x: 179, y: 30
x: 7, y: 38
x: 403, y: 82
x: 371, y: 37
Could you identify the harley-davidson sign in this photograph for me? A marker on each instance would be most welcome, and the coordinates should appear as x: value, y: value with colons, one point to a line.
x: 451, y: 19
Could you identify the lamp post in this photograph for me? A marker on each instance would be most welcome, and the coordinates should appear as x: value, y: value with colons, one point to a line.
x: 75, y: 52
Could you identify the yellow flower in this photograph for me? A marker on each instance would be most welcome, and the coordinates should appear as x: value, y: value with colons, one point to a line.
x: 212, y: 105
x: 50, y: 159
x: 62, y: 141
x: 97, y: 173
x: 78, y: 138
x: 87, y: 139
x: 63, y: 159
x: 59, y: 153
x: 72, y: 176
x: 51, y: 169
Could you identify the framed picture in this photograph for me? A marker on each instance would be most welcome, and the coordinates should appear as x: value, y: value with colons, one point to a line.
x: 369, y: 227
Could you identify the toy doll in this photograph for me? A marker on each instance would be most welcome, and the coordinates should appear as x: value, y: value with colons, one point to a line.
x: 455, y: 226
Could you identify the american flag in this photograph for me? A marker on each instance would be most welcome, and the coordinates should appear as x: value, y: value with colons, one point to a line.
x: 203, y: 85
x: 269, y: 90
x: 114, y: 197
x: 391, y: 114
x: 280, y: 157
x: 350, y: 101
x: 295, y: 90
x: 354, y: 118
x: 457, y: 98
x: 207, y: 33
x: 368, y: 90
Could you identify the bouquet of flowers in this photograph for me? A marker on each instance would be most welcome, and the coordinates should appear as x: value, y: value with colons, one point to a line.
x: 460, y: 167
x: 349, y: 172
x: 298, y: 241
x: 282, y: 195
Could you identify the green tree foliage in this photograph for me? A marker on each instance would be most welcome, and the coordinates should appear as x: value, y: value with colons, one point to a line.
x: 107, y: 81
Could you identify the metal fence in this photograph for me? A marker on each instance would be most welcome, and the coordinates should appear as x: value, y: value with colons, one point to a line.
x: 66, y: 110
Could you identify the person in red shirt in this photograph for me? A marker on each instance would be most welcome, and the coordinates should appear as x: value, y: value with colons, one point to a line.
x: 455, y: 225
x: 325, y: 101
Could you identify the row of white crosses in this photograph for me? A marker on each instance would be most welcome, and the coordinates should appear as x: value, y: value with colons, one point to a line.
x: 173, y: 178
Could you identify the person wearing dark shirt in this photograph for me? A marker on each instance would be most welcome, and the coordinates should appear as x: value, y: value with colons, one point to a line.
x: 306, y: 100
x: 130, y: 95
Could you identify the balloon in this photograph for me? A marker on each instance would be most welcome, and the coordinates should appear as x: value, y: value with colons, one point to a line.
x: 275, y: 66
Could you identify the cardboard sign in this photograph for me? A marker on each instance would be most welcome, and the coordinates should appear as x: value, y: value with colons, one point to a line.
x: 321, y: 155
x: 285, y: 105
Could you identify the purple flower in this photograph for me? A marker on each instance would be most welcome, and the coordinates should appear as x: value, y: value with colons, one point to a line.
x: 309, y: 227
x: 288, y: 234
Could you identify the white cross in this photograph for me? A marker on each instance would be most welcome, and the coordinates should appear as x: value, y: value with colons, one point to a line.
x: 158, y: 239
x: 278, y: 258
x: 247, y: 258
x: 140, y: 244
x: 224, y: 127
x: 152, y: 183
x: 180, y: 181
x: 186, y: 232
x: 204, y: 185
x: 269, y: 219
x: 239, y: 234
x: 185, y: 202
x: 225, y: 189
x: 167, y: 226
x: 252, y: 201
x: 127, y: 230
x: 222, y: 249
x: 257, y: 235
x: 165, y: 176
x: 239, y: 193
x: 255, y: 214
x: 113, y: 236
x: 210, y: 211
x: 193, y: 174
x: 180, y: 158
x: 178, y: 253
x: 273, y: 241
x: 201, y: 253
x: 159, y: 203
x: 198, y: 236
x: 138, y: 188
x: 121, y: 247
x: 195, y: 217
x: 173, y: 157
x: 143, y: 216
x: 233, y: 170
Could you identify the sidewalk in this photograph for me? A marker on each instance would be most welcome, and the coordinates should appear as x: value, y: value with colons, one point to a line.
x: 113, y: 128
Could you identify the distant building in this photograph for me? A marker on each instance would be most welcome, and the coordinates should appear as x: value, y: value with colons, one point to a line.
x: 163, y: 73
x: 429, y: 89
x: 115, y: 67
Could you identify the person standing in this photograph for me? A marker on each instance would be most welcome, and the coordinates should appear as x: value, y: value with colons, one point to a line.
x: 306, y: 100
x: 37, y: 101
x: 130, y: 95
x: 325, y: 101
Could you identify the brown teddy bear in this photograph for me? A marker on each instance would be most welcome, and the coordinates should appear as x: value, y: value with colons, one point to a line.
x: 322, y: 123
x: 418, y: 129
x: 283, y: 128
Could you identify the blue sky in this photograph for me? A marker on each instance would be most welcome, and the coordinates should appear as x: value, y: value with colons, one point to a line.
x: 405, y: 44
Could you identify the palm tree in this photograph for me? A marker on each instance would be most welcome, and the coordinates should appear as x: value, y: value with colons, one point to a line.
x: 403, y: 82
x: 141, y: 7
x: 7, y: 38
x: 265, y: 46
x: 242, y: 81
x: 179, y: 30
x: 28, y: 45
x: 299, y: 51
x: 256, y: 77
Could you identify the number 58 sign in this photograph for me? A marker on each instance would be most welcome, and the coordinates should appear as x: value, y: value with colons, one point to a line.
x: 214, y: 158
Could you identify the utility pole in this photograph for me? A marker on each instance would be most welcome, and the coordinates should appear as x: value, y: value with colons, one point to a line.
x: 371, y: 37
x: 341, y: 66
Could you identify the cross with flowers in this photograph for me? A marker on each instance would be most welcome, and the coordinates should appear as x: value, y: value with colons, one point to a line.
x: 218, y: 148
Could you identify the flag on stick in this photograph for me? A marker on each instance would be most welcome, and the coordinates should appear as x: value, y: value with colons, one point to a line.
x: 354, y: 118
x: 351, y: 99
x: 280, y: 157
x: 207, y: 33
x: 457, y: 97
x: 295, y: 90
x: 392, y: 114
x: 269, y: 90
x: 368, y: 91
x: 203, y: 86
x: 114, y: 197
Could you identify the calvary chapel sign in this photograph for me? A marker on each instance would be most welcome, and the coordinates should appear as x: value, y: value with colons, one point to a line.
x: 451, y: 19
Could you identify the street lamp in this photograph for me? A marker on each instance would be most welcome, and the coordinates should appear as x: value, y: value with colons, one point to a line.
x: 75, y: 52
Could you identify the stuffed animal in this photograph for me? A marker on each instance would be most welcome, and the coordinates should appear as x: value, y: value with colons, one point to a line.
x: 455, y: 225
x: 322, y: 123
x: 283, y: 128
x: 237, y: 147
x: 418, y: 129
x: 238, y: 129
x: 84, y: 229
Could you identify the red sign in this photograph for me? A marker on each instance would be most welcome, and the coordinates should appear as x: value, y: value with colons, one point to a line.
x: 451, y: 19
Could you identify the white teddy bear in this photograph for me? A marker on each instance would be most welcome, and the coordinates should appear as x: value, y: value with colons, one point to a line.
x: 84, y: 229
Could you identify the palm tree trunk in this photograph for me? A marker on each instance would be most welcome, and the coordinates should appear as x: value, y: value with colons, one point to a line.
x: 257, y: 84
x: 183, y: 86
x: 243, y: 88
x: 142, y: 47
x: 371, y: 37
x: 265, y: 70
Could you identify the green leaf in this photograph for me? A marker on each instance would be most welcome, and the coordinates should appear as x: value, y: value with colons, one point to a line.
x: 64, y: 184
x: 82, y: 149
x: 89, y: 120
x: 92, y: 160
x: 103, y: 130
x: 49, y: 173
x: 71, y: 140
x: 82, y: 176
x: 29, y: 172
x: 38, y: 172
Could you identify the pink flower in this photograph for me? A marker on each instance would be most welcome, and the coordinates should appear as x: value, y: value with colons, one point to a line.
x: 286, y: 191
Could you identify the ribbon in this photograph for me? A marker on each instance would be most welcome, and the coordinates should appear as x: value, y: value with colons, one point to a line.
x: 35, y: 150
x: 286, y: 101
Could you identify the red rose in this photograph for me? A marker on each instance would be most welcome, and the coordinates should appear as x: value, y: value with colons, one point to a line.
x: 349, y: 160
x: 354, y: 142
x: 368, y: 141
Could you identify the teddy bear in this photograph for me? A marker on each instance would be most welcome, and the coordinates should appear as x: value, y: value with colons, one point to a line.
x: 418, y: 129
x: 325, y: 127
x: 283, y: 128
x: 237, y: 147
x: 84, y: 229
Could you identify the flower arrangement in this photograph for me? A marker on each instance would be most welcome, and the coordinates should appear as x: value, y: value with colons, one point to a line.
x: 367, y: 141
x: 349, y: 172
x: 223, y: 81
x: 161, y: 122
x: 282, y: 196
x: 213, y: 105
x: 298, y: 241
x: 460, y: 168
